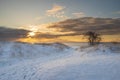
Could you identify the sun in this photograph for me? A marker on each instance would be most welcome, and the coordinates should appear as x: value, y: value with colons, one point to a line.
x: 31, y: 34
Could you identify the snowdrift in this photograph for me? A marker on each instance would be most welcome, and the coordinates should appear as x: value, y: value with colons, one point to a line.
x: 80, y: 62
x: 26, y: 50
x: 101, y: 48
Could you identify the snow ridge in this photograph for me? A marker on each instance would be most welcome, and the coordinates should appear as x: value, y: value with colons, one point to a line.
x: 60, y: 62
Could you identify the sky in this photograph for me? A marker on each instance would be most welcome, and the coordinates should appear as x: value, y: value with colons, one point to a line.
x: 45, y: 18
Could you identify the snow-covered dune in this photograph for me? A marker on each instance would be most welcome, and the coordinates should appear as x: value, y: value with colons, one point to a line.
x: 83, y: 62
x: 26, y: 50
x: 15, y: 52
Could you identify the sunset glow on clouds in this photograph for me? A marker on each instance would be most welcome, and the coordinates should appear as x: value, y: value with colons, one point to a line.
x: 64, y: 21
x: 78, y: 15
x: 57, y: 11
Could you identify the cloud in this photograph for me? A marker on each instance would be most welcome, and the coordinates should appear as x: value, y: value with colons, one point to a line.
x: 51, y: 36
x: 79, y: 14
x: 69, y: 27
x: 117, y: 12
x: 8, y: 34
x: 105, y: 26
x: 57, y: 11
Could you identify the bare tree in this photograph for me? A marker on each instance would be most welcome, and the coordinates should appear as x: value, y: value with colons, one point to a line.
x: 92, y: 37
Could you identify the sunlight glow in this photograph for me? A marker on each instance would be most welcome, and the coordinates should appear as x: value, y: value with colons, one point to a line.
x: 33, y: 28
x: 31, y: 34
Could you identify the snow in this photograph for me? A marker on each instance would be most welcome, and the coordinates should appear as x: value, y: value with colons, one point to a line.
x: 57, y: 61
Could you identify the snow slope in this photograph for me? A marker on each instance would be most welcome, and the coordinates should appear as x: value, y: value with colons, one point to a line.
x: 14, y: 52
x: 78, y: 63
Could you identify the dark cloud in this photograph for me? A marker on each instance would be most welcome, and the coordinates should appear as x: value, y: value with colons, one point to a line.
x: 49, y: 36
x: 72, y: 27
x: 105, y: 26
x: 10, y: 34
x: 45, y: 35
x: 7, y: 34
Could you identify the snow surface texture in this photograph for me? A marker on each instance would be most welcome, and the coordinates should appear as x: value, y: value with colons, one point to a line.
x: 22, y: 61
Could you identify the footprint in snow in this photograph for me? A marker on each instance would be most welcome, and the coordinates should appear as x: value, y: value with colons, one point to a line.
x: 24, y: 76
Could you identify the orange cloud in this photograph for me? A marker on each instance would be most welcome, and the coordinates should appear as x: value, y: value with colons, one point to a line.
x: 79, y: 14
x: 57, y: 11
